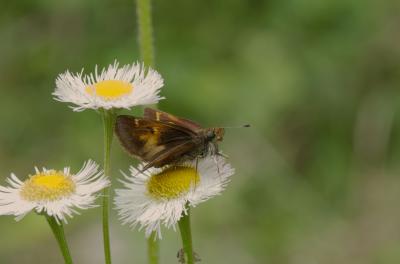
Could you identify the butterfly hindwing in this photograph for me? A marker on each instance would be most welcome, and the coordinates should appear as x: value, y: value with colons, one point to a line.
x: 171, y: 155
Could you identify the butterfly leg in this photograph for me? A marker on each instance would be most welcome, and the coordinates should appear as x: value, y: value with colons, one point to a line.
x: 197, y: 165
x: 214, y: 152
x: 222, y: 155
x: 219, y: 154
x: 216, y: 163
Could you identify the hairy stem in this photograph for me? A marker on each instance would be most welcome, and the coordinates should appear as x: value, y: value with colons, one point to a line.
x: 145, y: 28
x: 186, y: 234
x: 152, y: 249
x: 108, y: 125
x: 58, y: 232
x: 146, y: 41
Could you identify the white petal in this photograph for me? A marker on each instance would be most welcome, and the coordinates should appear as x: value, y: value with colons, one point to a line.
x: 136, y: 207
x: 71, y: 88
x: 88, y: 181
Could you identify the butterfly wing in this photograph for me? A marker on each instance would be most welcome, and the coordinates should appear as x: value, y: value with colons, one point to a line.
x: 157, y: 115
x: 155, y: 142
x: 171, y: 154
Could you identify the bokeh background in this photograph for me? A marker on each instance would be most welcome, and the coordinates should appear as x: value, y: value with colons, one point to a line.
x: 317, y: 173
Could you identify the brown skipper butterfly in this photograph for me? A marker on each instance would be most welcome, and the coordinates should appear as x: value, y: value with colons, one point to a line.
x: 160, y: 138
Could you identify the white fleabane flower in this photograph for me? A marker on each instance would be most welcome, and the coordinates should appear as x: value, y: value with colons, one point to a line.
x: 51, y: 192
x: 159, y: 196
x: 113, y: 87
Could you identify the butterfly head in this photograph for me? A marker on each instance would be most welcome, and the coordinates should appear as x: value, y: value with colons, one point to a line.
x: 219, y: 133
x: 215, y: 134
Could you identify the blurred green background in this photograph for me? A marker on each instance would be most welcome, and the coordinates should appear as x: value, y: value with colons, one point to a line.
x: 317, y: 175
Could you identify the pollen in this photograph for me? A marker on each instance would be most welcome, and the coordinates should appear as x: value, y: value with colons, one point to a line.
x: 110, y: 89
x: 172, y: 182
x: 47, y: 186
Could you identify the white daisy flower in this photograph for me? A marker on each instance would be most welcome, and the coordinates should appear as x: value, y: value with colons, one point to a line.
x: 51, y: 192
x: 114, y: 87
x: 159, y: 196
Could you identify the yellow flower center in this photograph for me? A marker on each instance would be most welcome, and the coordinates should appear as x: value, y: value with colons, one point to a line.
x: 110, y: 89
x: 47, y: 186
x: 172, y: 182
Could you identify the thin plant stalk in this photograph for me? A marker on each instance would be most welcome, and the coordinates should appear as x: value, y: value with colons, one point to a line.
x: 153, y: 249
x: 58, y: 231
x: 145, y: 30
x: 186, y: 234
x: 146, y: 46
x: 108, y: 125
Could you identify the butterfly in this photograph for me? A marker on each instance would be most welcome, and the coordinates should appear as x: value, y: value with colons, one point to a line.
x: 160, y: 139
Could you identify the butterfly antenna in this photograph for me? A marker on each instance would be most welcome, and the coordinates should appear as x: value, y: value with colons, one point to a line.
x: 246, y: 125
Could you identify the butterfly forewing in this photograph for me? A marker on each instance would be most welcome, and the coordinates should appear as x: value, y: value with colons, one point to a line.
x: 168, y: 118
x: 155, y: 142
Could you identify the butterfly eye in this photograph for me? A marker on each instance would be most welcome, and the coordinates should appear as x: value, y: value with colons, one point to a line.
x: 210, y: 134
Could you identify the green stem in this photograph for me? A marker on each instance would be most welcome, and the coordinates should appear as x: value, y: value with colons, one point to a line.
x: 108, y: 125
x: 146, y: 41
x: 186, y: 234
x: 145, y: 28
x: 152, y: 249
x: 58, y: 232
